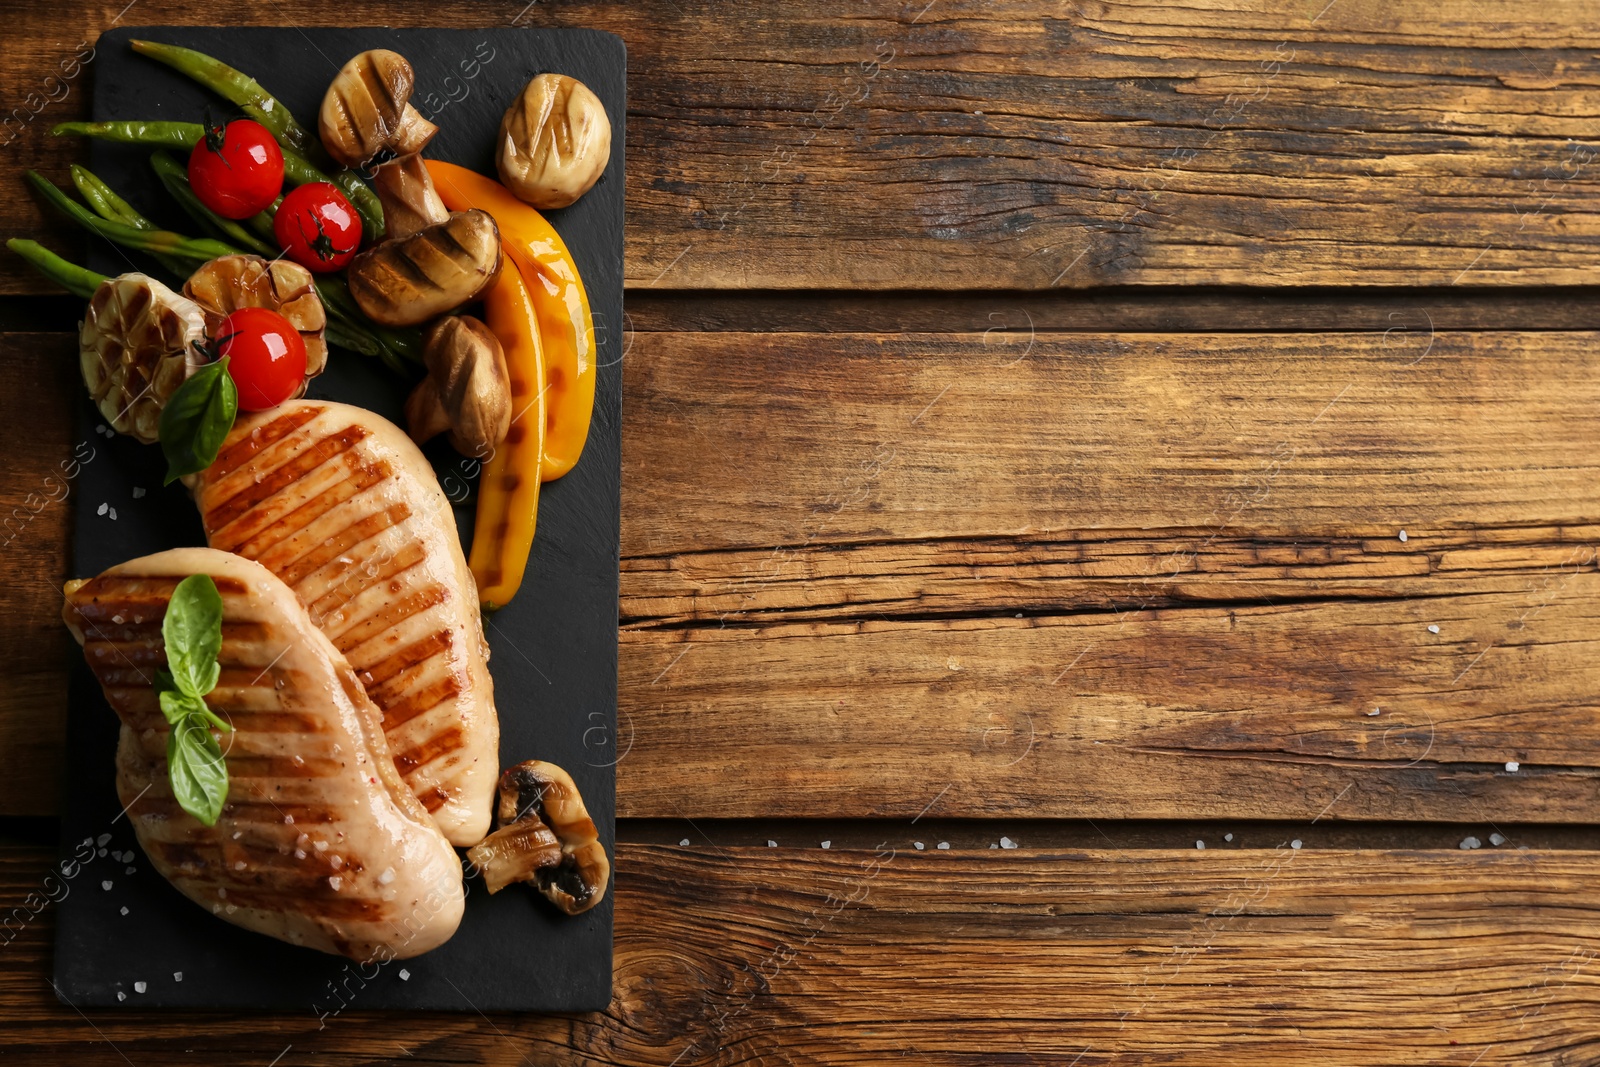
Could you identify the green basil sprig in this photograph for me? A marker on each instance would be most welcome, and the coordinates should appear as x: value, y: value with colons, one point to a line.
x: 196, y: 419
x: 192, y: 632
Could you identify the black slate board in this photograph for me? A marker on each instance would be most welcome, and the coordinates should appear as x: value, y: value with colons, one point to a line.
x: 554, y: 657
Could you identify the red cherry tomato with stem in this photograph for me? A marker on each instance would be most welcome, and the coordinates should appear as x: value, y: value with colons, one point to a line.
x: 317, y: 227
x: 236, y: 170
x: 266, y: 357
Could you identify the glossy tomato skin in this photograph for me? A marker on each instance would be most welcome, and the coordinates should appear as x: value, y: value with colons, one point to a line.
x: 318, y: 227
x: 237, y: 170
x: 266, y: 357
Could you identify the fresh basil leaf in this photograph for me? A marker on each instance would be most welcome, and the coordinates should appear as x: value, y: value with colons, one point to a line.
x: 196, y: 419
x: 192, y: 631
x: 176, y: 707
x: 197, y: 771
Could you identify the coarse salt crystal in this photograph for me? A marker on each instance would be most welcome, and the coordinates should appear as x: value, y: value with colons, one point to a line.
x: 1227, y: 837
x: 106, y: 885
x: 1201, y: 845
x: 1513, y: 766
x: 121, y: 995
x: 1470, y: 842
x: 177, y: 976
x: 684, y: 843
x: 1295, y: 843
x: 827, y: 844
x: 336, y: 861
x: 138, y: 492
x: 334, y: 882
x: 102, y: 509
x: 1497, y: 839
x: 129, y: 870
x: 772, y: 844
x: 387, y: 876
x: 917, y: 845
x: 1402, y: 535
x: 299, y: 853
x: 405, y: 975
x: 943, y: 845
x: 139, y: 987
x: 1434, y: 628
x: 102, y: 839
x: 1006, y: 842
x: 124, y: 909
x: 321, y: 846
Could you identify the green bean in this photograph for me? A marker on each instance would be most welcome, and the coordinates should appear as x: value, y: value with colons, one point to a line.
x: 261, y: 222
x: 111, y: 207
x: 297, y: 170
x: 198, y: 249
x: 239, y: 88
x: 176, y: 179
x: 79, y: 281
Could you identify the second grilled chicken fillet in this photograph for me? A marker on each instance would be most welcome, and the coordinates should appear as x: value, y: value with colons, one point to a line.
x: 339, y: 503
x: 319, y: 842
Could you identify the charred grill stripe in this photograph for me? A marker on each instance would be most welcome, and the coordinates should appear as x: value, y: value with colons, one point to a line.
x: 435, y: 798
x: 360, y: 479
x: 255, y: 493
x: 413, y: 654
x: 348, y: 579
x: 427, y: 698
x: 246, y: 447
x: 388, y: 615
x: 440, y: 744
x: 338, y: 544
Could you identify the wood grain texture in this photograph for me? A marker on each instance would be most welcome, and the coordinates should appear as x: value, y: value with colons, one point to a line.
x: 729, y: 956
x: 1029, y: 144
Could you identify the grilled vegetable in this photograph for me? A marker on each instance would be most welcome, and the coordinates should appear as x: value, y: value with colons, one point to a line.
x: 237, y: 170
x: 467, y: 391
x: 266, y: 357
x: 508, y: 488
x: 566, y: 328
x: 409, y: 281
x: 189, y: 248
x: 555, y: 141
x: 410, y: 202
x: 79, y: 281
x: 367, y: 110
x: 228, y: 283
x: 318, y: 227
x: 136, y: 346
x: 175, y: 178
x: 546, y: 837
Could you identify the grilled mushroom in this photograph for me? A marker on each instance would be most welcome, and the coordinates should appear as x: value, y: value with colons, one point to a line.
x: 409, y: 281
x: 555, y: 140
x: 228, y: 283
x: 366, y: 111
x: 546, y: 837
x: 136, y: 345
x: 467, y: 391
x: 410, y: 202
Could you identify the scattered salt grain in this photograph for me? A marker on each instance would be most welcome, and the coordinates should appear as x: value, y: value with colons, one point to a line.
x: 772, y: 844
x: 139, y: 987
x: 321, y: 846
x: 827, y: 844
x: 1434, y: 628
x: 138, y: 492
x: 1201, y: 845
x: 177, y: 976
x: 1513, y: 766
x: 684, y: 843
x: 387, y: 876
x: 1374, y: 712
x: 1006, y: 842
x: 121, y: 995
x: 102, y: 509
x: 994, y: 846
x: 129, y: 870
x: 1295, y: 843
x: 1497, y: 839
x: 106, y: 885
x: 124, y: 909
x: 288, y: 820
x: 299, y: 853
x: 334, y: 882
x: 238, y: 834
x: 1402, y: 536
x: 112, y: 514
x: 942, y: 844
x: 239, y: 865
x: 102, y: 839
x: 1227, y: 837
x: 405, y: 975
x: 1471, y: 842
x: 917, y: 845
x: 102, y: 853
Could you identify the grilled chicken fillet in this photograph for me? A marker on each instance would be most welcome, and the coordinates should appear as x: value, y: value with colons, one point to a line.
x: 319, y: 843
x: 339, y: 503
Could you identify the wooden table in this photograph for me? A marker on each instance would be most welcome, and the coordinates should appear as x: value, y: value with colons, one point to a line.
x: 1109, y: 527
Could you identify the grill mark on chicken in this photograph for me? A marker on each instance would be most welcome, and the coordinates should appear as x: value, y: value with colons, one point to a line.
x: 245, y: 448
x: 376, y: 562
x: 319, y: 842
x: 273, y: 483
x: 430, y: 750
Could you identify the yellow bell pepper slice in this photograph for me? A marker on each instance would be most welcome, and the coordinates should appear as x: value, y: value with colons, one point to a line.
x: 508, y: 488
x: 566, y: 326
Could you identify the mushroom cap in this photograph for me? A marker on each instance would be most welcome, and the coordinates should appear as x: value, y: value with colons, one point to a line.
x: 554, y: 141
x: 367, y: 110
x: 546, y: 837
x: 136, y: 345
x: 468, y: 388
x: 224, y: 285
x: 408, y: 281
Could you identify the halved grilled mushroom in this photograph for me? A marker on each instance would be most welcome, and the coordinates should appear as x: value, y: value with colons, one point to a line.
x: 467, y: 392
x: 366, y: 110
x: 554, y: 141
x: 411, y: 280
x: 224, y: 285
x: 546, y: 837
x: 410, y: 202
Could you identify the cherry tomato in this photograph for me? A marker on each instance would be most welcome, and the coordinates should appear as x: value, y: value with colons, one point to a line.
x: 266, y: 357
x: 318, y: 227
x: 236, y: 170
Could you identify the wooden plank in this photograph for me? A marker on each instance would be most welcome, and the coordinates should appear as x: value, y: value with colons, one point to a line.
x: 1033, y: 144
x: 796, y: 440
x: 778, y: 955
